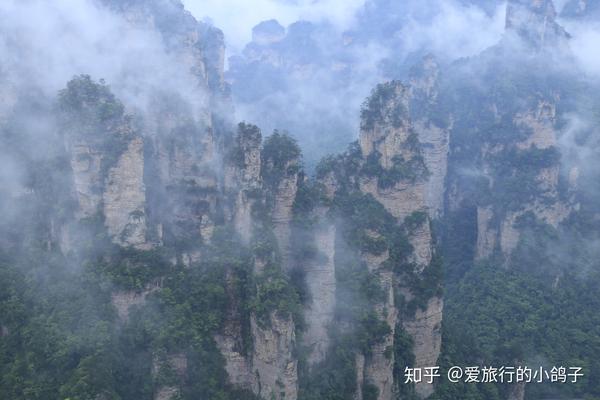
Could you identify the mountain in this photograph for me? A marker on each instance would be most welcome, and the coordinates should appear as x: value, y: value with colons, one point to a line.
x: 155, y: 249
x: 581, y: 9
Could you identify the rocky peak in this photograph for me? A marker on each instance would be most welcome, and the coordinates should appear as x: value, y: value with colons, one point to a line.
x: 534, y: 22
x: 385, y: 123
x: 242, y: 176
x: 281, y: 164
x: 292, y: 49
x: 424, y: 78
x: 268, y: 32
x: 245, y: 156
x: 197, y: 45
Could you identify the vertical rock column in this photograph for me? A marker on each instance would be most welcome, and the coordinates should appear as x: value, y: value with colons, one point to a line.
x: 497, y: 230
x: 242, y: 177
x: 274, y: 362
x: 320, y: 279
x: 434, y: 135
x: 387, y: 135
x: 270, y: 368
x: 285, y: 196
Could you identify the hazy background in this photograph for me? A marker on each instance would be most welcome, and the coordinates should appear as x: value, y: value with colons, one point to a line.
x: 309, y: 79
x: 312, y: 80
x: 237, y: 17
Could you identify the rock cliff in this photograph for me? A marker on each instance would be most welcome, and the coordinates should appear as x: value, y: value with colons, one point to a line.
x: 497, y: 226
x: 321, y: 282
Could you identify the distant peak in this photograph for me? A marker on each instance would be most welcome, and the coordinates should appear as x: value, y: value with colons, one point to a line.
x: 426, y: 67
x: 268, y: 32
x: 534, y: 21
x: 424, y: 78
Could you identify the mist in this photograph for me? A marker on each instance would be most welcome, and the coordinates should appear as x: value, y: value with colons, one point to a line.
x: 140, y: 228
x: 312, y: 80
x: 44, y: 44
x: 237, y: 18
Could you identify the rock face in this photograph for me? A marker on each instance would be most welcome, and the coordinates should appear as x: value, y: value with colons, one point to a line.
x: 433, y: 134
x: 123, y: 300
x: 321, y: 282
x: 393, y: 141
x: 385, y: 128
x: 425, y: 328
x: 274, y: 364
x: 267, y: 368
x: 124, y: 198
x: 285, y: 195
x: 486, y: 235
x: 359, y: 365
x: 229, y: 340
x: 107, y: 165
x: 242, y: 177
x: 378, y: 367
x: 436, y: 145
x: 87, y: 182
x: 540, y: 121
x: 237, y: 364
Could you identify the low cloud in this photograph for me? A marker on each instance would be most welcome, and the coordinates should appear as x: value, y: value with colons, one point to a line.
x: 584, y: 45
x: 455, y: 30
x: 44, y: 44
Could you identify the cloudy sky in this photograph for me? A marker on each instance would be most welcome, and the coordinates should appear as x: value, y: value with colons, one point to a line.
x: 460, y: 29
x: 237, y: 17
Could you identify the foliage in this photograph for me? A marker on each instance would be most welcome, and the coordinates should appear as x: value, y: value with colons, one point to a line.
x: 335, y: 378
x: 401, y: 170
x: 275, y: 293
x: 246, y: 133
x: 89, y: 110
x: 280, y: 158
x: 87, y: 101
x: 403, y: 357
x: 63, y: 339
x: 131, y: 269
x: 539, y: 305
x: 516, y: 177
x: 377, y: 107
